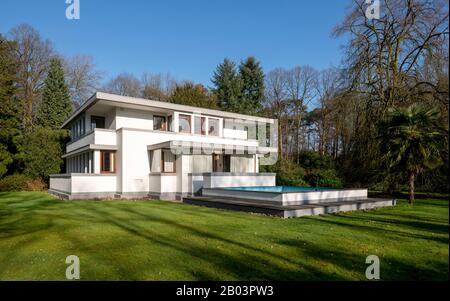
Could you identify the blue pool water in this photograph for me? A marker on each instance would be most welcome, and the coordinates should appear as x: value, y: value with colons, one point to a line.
x: 278, y: 188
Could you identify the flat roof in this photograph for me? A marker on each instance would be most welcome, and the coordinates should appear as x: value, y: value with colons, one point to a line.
x: 119, y: 99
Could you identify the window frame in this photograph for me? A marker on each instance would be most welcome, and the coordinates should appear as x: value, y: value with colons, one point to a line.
x: 162, y: 165
x: 164, y: 124
x: 217, y: 129
x: 180, y: 116
x: 98, y: 117
x: 102, y: 154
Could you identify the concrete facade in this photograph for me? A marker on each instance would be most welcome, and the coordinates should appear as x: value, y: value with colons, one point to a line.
x: 123, y: 154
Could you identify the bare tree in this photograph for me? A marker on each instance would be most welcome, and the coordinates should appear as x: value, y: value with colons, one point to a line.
x: 300, y: 84
x: 125, y: 84
x: 32, y: 55
x: 157, y: 86
x: 276, y: 101
x: 82, y: 77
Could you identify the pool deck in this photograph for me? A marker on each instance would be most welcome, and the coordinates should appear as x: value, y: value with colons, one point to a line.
x: 286, y: 211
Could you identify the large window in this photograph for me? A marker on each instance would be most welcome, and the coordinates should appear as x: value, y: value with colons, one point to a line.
x: 213, y: 127
x: 168, y: 161
x: 97, y: 122
x: 159, y: 123
x: 200, y: 125
x: 184, y: 123
x: 107, y: 162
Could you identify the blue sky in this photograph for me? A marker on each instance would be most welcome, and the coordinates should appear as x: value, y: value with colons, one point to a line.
x: 186, y: 38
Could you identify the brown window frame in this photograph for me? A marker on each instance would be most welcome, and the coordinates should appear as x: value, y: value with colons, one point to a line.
x: 202, y: 122
x: 102, y: 152
x: 162, y: 168
x: 190, y: 123
x: 164, y: 124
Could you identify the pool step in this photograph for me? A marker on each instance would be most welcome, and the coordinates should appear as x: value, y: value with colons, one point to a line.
x: 290, y: 210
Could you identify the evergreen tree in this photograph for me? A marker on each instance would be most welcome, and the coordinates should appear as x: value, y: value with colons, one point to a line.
x: 193, y: 95
x: 9, y: 109
x: 227, y: 86
x: 56, y: 105
x: 252, y: 77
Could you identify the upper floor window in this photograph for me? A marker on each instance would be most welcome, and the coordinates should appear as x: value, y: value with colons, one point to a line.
x: 200, y: 125
x: 213, y: 127
x: 184, y: 123
x: 159, y: 123
x: 97, y: 122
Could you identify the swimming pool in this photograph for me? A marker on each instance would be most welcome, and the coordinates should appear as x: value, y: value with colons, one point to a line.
x: 280, y: 189
x: 287, y: 195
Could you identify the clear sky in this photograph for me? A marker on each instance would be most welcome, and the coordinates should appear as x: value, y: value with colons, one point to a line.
x: 186, y: 38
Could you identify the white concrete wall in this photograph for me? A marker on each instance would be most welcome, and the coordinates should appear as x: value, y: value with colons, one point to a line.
x: 236, y: 180
x: 135, y: 119
x: 318, y: 196
x: 93, y: 183
x: 82, y: 183
x: 105, y: 137
x: 63, y: 184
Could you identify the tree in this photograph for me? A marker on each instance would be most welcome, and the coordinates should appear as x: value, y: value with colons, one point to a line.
x: 157, y: 86
x: 32, y: 54
x: 56, y: 106
x: 412, y: 139
x: 43, y: 151
x: 193, y: 95
x: 82, y: 78
x: 9, y: 109
x: 252, y: 77
x: 125, y: 84
x: 227, y: 86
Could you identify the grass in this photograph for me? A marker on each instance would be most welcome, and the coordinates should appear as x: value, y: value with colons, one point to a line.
x: 155, y: 240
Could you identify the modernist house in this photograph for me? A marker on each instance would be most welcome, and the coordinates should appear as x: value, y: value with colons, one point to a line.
x: 125, y: 147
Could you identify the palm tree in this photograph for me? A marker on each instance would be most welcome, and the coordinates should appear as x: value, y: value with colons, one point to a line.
x: 412, y: 139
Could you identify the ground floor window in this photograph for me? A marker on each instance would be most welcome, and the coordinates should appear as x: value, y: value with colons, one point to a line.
x: 107, y: 161
x: 162, y: 161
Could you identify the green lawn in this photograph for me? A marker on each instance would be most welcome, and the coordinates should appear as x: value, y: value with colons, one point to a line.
x: 154, y: 240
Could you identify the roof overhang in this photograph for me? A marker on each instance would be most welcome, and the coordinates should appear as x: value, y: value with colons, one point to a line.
x: 142, y: 103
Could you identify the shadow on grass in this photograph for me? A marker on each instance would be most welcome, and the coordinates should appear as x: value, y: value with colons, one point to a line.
x: 239, y: 259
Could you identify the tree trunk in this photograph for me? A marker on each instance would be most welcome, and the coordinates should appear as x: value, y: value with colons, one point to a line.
x: 412, y: 178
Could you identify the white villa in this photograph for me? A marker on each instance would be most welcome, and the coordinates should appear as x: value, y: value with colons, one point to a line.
x: 126, y: 147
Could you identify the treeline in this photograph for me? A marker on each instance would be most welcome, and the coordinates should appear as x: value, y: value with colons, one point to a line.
x: 393, y: 79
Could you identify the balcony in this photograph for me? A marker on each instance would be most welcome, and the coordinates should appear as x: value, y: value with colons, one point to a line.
x: 96, y: 137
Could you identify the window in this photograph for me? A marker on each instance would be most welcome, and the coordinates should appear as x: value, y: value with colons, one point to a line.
x: 97, y: 122
x: 200, y: 125
x: 184, y: 123
x: 213, y: 127
x: 159, y: 123
x: 167, y: 161
x: 107, y: 162
x: 226, y: 163
x: 169, y: 123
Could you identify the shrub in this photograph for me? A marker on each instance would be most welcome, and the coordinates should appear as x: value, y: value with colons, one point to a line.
x: 36, y: 185
x: 324, y: 178
x: 288, y: 173
x: 21, y: 182
x: 16, y: 182
x: 314, y: 160
x: 42, y: 152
